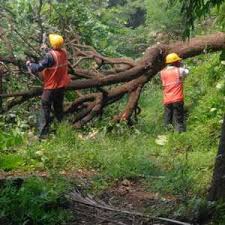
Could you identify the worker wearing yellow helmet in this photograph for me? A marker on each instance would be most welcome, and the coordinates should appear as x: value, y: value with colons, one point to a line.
x: 54, y: 69
x: 173, y: 98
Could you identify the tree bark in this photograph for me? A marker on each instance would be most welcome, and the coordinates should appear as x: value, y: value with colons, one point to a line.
x: 1, y: 89
x: 217, y: 189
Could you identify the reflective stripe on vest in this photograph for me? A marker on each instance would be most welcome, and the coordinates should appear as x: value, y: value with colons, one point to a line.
x: 57, y: 75
x: 172, y: 85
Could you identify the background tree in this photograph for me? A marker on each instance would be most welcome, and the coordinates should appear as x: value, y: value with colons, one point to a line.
x: 164, y: 19
x: 195, y: 9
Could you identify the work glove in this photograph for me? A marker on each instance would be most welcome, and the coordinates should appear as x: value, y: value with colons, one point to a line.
x: 43, y: 47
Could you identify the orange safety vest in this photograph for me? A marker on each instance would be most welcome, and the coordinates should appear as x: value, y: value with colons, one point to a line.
x: 172, y: 85
x: 57, y: 76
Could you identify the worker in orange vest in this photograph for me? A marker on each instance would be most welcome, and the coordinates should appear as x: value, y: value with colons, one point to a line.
x: 173, y: 98
x: 54, y: 68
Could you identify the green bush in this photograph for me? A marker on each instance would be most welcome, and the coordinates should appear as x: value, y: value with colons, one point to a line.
x: 36, y: 202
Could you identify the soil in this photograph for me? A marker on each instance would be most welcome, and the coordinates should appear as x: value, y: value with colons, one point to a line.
x: 126, y: 202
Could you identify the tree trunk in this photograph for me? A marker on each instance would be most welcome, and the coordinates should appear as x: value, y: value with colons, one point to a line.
x: 1, y: 89
x: 217, y: 189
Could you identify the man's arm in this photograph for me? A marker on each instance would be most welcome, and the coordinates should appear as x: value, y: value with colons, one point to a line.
x: 46, y: 62
x: 183, y: 72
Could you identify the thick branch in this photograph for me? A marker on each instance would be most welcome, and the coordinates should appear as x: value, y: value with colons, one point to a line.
x: 199, y: 45
x: 131, y: 105
x: 110, y: 79
x: 96, y: 110
x: 102, y: 59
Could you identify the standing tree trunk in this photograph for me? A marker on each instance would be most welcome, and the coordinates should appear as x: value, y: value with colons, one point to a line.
x: 217, y: 189
x: 1, y: 90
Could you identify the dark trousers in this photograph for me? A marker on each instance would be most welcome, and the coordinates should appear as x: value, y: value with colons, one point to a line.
x: 174, y: 114
x: 49, y: 98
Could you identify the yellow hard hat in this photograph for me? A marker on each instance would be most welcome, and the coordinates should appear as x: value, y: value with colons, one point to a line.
x: 172, y: 57
x: 56, y: 41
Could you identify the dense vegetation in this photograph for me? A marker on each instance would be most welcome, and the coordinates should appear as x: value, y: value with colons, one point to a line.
x: 164, y: 162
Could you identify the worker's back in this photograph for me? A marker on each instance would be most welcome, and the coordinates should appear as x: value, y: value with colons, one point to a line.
x: 172, y: 85
x: 57, y: 76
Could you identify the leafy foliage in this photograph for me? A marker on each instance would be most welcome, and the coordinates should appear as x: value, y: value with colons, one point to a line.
x: 10, y: 139
x: 221, y: 16
x: 194, y: 9
x: 51, y: 16
x: 163, y: 17
x: 35, y: 202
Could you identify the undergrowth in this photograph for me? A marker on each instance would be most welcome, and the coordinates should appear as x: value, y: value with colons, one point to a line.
x: 34, y: 202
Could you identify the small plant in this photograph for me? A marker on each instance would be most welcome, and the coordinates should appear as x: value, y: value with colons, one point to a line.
x: 10, y: 161
x: 10, y: 139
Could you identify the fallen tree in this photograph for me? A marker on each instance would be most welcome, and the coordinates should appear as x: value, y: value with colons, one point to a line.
x: 112, y: 78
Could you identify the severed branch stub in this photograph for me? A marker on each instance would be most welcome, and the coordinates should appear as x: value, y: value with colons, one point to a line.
x: 113, y: 78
